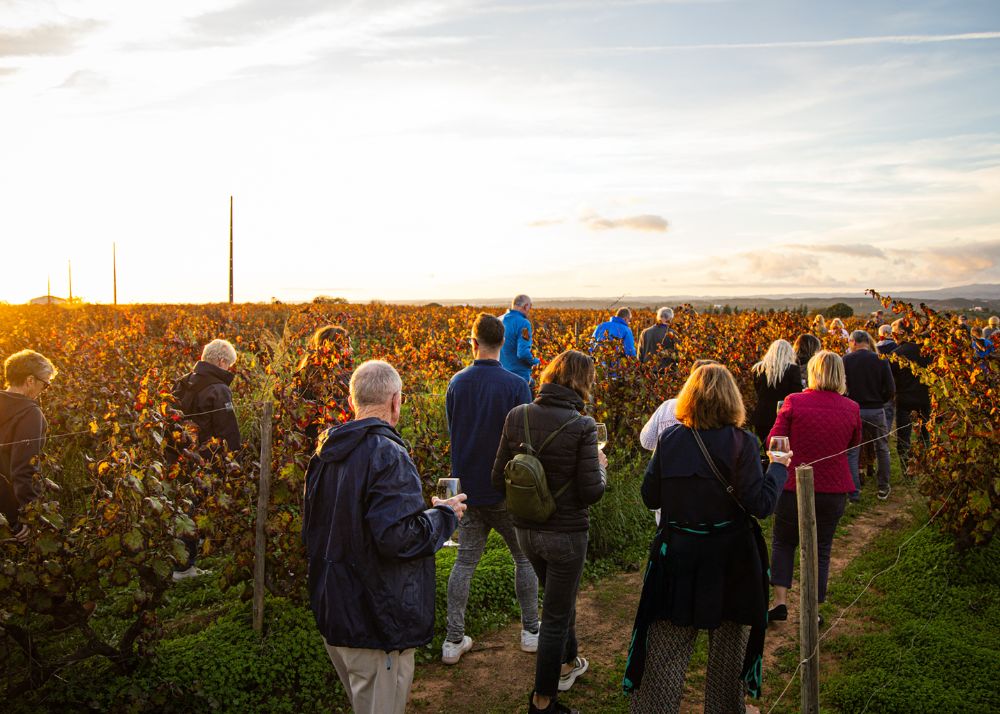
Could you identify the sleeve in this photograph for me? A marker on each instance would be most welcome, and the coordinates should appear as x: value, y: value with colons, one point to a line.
x: 29, y: 435
x: 224, y: 423
x: 524, y: 345
x: 651, y: 431
x: 629, y: 342
x: 524, y: 395
x: 398, y: 530
x: 503, y: 454
x: 599, y: 332
x: 651, y: 482
x: 591, y: 478
x: 643, y: 349
x: 756, y: 490
x: 888, y: 385
x: 449, y: 406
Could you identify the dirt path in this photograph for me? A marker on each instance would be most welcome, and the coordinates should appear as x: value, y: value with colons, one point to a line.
x: 496, y: 676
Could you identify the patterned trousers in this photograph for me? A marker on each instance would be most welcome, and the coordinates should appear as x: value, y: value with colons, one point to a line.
x: 670, y: 649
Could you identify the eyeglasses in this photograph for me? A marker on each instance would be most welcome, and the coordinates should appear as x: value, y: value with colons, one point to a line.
x: 43, y: 381
x: 402, y: 398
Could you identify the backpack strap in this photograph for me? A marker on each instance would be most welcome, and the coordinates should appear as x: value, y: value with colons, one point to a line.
x: 715, y: 469
x: 548, y: 440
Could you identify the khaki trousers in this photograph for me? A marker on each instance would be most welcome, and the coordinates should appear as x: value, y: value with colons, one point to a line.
x: 376, y: 682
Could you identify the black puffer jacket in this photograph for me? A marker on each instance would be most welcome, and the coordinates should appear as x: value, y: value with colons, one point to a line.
x: 911, y: 393
x: 571, y: 456
x: 205, y: 397
x: 21, y: 422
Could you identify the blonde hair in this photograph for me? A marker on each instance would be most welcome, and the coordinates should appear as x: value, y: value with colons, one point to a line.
x: 819, y: 321
x: 374, y: 383
x: 219, y: 350
x: 995, y: 321
x: 837, y: 322
x: 826, y: 372
x: 571, y: 369
x: 710, y: 399
x: 779, y: 357
x: 27, y: 363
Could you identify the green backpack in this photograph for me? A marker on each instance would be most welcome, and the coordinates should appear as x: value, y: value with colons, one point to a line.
x: 528, y: 495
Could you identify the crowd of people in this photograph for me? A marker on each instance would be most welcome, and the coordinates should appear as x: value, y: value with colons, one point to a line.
x: 530, y: 468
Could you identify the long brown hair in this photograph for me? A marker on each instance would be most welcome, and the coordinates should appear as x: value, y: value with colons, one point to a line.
x: 571, y: 369
x: 710, y: 399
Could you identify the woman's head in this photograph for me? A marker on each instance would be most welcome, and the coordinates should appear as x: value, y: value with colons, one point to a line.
x: 819, y: 321
x: 779, y: 357
x: 327, y: 333
x: 826, y: 372
x: 837, y: 323
x: 806, y: 346
x: 710, y: 399
x: 571, y: 369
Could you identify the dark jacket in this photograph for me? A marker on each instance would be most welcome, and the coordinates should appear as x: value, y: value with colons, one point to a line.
x: 370, y: 540
x: 869, y: 379
x: 910, y: 391
x: 204, y: 397
x: 571, y: 456
x: 21, y: 421
x: 477, y: 403
x: 658, y: 339
x: 768, y: 397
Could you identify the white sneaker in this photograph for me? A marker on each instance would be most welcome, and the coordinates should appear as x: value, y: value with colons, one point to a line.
x: 191, y: 572
x: 451, y: 652
x: 529, y: 641
x: 566, y: 680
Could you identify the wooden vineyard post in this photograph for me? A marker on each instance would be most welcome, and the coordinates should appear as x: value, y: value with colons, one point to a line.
x: 809, y: 601
x: 260, y: 539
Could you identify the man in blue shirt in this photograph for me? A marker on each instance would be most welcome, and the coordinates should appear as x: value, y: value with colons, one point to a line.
x: 515, y: 355
x: 478, y: 400
x: 617, y: 328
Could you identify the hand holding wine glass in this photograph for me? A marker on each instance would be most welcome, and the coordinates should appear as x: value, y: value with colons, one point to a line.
x: 448, y: 494
x: 779, y: 451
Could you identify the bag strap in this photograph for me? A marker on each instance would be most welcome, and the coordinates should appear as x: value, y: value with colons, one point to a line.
x: 549, y: 438
x: 715, y: 470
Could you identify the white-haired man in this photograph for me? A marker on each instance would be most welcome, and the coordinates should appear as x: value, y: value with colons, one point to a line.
x: 515, y: 355
x: 659, y: 340
x: 370, y: 541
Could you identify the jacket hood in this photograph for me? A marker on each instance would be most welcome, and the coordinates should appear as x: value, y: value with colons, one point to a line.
x: 557, y: 395
x: 13, y: 405
x: 207, y: 369
x: 339, y: 442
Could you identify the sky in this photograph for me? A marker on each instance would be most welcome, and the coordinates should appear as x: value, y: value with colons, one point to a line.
x: 464, y: 149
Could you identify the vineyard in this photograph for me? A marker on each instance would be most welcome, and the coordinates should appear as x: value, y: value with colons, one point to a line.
x: 90, y: 597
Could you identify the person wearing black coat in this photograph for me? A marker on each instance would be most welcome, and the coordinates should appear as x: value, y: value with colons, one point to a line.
x: 370, y: 542
x: 775, y: 377
x: 911, y: 394
x: 557, y: 548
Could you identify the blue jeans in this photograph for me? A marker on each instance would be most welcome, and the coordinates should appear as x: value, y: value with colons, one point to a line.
x: 875, y: 418
x: 558, y: 561
x: 473, y: 530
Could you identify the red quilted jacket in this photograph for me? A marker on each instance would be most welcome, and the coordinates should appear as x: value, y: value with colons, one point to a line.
x: 819, y: 423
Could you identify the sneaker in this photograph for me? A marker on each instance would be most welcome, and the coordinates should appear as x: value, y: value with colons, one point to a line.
x: 554, y: 707
x: 778, y: 613
x: 529, y: 641
x: 451, y: 652
x: 192, y: 572
x: 884, y: 493
x: 566, y: 680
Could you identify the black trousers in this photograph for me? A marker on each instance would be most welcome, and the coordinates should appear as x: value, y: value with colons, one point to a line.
x: 785, y: 536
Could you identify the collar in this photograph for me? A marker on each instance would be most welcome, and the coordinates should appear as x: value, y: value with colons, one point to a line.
x: 486, y: 363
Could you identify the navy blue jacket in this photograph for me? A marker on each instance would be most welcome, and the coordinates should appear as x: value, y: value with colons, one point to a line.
x: 617, y: 328
x: 478, y: 400
x: 869, y: 379
x: 370, y: 540
x: 515, y: 355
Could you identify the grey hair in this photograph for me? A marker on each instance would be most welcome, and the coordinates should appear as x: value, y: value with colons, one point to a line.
x: 520, y: 301
x: 219, y: 350
x: 884, y: 330
x: 860, y: 337
x: 665, y: 314
x: 374, y: 383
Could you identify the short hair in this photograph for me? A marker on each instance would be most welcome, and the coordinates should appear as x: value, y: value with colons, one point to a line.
x: 884, y: 330
x: 826, y: 372
x: 27, y: 363
x: 327, y: 333
x: 860, y: 337
x: 488, y: 330
x: 710, y: 399
x: 665, y: 314
x: 623, y: 312
x: 374, y: 383
x: 219, y: 350
x: 995, y: 321
x: 520, y: 301
x: 571, y: 369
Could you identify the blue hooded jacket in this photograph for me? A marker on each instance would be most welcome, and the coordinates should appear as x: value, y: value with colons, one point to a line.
x: 370, y: 540
x: 617, y: 328
x: 515, y: 355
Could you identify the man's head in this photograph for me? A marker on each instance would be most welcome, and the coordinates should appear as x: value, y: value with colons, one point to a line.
x: 859, y: 340
x: 885, y: 331
x: 376, y: 391
x: 624, y: 313
x: 221, y: 353
x: 487, y: 336
x: 28, y: 372
x: 900, y: 327
x: 963, y: 320
x: 664, y: 315
x: 521, y: 302
x: 995, y: 321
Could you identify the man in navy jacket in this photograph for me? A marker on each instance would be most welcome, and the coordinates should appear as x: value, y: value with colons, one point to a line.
x: 370, y: 542
x: 478, y: 401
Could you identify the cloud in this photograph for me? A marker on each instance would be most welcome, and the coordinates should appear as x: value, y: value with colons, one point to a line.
x: 857, y: 250
x: 85, y: 80
x: 546, y: 222
x: 6, y: 71
x: 48, y: 39
x: 252, y: 17
x: 645, y: 222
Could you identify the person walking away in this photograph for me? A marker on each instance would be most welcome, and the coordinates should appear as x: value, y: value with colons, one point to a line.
x: 870, y: 384
x: 805, y: 346
x: 912, y: 395
x: 775, y: 376
x: 819, y: 326
x: 515, y: 355
x: 552, y: 429
x: 27, y: 374
x: 708, y: 565
x: 818, y: 422
x: 617, y: 328
x: 477, y: 403
x: 370, y: 544
x: 837, y: 328
x: 885, y: 346
x: 659, y: 341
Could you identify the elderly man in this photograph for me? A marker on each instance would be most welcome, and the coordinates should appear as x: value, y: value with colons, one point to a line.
x: 617, y: 328
x: 659, y: 340
x: 870, y: 384
x: 22, y: 433
x: 370, y: 542
x: 515, y: 355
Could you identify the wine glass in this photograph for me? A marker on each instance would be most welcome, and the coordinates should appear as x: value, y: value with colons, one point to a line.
x: 449, y: 488
x: 778, y: 448
x: 602, y: 436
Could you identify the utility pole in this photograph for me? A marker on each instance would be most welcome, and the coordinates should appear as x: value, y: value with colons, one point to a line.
x: 70, y: 280
x: 114, y: 272
x: 48, y: 292
x: 230, y: 250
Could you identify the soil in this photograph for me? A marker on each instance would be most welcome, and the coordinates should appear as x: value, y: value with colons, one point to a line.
x: 495, y: 676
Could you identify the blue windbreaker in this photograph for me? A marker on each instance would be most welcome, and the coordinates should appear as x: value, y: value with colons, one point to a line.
x: 515, y: 355
x: 617, y: 328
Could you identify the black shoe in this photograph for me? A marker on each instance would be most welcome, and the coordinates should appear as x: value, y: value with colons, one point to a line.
x: 820, y: 620
x: 778, y: 613
x: 554, y: 707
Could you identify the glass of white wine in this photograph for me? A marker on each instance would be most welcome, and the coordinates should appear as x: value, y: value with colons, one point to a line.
x: 778, y: 447
x: 448, y: 488
x: 602, y: 436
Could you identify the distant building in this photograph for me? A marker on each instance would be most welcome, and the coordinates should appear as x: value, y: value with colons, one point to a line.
x: 47, y: 300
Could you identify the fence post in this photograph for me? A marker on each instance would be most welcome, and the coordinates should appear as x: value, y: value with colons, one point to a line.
x: 809, y: 600
x: 263, y: 496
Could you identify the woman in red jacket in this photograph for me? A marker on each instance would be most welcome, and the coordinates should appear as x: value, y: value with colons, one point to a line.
x: 818, y: 422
